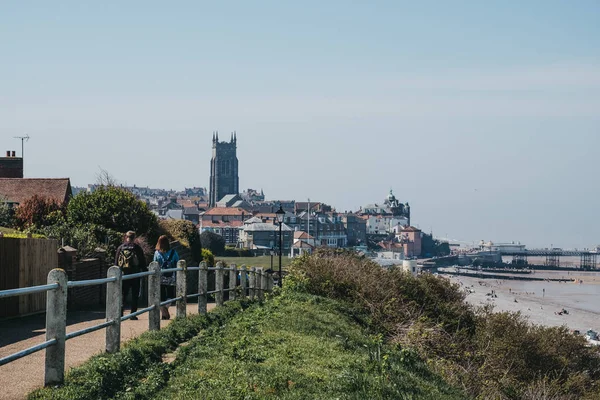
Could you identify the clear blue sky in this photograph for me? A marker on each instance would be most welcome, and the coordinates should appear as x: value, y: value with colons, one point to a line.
x: 485, y: 116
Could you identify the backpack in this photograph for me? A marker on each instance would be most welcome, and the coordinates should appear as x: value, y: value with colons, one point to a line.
x: 128, y: 260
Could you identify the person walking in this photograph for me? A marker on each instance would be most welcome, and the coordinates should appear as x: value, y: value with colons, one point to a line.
x: 131, y: 259
x: 167, y: 258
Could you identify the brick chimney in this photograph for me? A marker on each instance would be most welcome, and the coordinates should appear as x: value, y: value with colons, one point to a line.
x: 11, y: 166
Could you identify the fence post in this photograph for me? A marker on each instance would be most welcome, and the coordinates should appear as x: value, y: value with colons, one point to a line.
x: 259, y: 283
x: 265, y: 282
x: 114, y: 293
x: 252, y: 283
x: 243, y: 280
x: 270, y: 282
x: 219, y: 284
x: 56, y: 327
x: 232, y: 281
x: 154, y: 296
x: 182, y: 289
x: 202, y: 288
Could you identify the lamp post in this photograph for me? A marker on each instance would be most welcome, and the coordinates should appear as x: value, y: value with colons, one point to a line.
x: 280, y: 216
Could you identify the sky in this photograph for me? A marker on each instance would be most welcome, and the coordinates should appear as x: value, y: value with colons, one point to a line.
x: 484, y: 116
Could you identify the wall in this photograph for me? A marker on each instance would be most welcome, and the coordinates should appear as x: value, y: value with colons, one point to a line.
x: 23, y: 263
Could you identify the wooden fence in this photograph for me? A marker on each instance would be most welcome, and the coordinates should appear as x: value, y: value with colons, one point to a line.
x: 24, y: 263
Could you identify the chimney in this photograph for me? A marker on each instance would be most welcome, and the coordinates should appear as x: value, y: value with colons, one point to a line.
x: 14, y: 153
x: 7, y: 153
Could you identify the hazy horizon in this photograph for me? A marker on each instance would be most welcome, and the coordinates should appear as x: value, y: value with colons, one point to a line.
x: 484, y: 117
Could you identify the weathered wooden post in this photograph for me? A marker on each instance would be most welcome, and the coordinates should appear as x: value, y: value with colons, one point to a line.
x: 243, y: 280
x: 181, y: 290
x: 252, y: 283
x: 114, y: 302
x: 202, y: 288
x: 270, y: 282
x: 56, y: 327
x: 259, y: 284
x: 232, y: 281
x: 154, y: 296
x: 219, y: 284
x: 265, y: 282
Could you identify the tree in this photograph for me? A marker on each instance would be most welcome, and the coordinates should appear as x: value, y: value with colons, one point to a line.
x: 7, y: 214
x: 213, y: 242
x: 38, y: 212
x: 115, y: 209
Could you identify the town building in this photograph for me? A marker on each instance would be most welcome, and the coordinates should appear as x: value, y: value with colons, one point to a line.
x: 224, y: 221
x: 263, y: 237
x: 224, y: 174
x: 356, y: 229
x: 15, y: 191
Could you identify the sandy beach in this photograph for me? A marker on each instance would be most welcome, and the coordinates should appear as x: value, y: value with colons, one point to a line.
x: 540, y: 301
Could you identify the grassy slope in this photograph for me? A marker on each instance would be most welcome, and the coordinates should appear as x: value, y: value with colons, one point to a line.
x: 303, y: 347
x: 262, y: 261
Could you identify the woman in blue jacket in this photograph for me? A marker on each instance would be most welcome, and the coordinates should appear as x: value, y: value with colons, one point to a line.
x: 167, y: 258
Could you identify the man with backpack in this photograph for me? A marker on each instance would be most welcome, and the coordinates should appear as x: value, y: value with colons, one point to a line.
x: 131, y: 259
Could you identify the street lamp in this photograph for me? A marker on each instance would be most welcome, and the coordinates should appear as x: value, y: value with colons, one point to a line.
x: 280, y: 216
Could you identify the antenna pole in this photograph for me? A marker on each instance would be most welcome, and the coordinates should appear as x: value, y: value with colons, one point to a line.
x: 23, y: 140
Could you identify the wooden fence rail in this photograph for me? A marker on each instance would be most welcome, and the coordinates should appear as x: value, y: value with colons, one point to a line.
x: 252, y: 283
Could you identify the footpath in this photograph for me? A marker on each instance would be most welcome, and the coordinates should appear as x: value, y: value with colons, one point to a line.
x: 19, y: 378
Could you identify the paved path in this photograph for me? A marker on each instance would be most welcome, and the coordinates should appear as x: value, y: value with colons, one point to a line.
x: 20, y: 377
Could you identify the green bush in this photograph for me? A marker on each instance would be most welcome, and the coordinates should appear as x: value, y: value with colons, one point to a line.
x: 114, y: 209
x: 186, y: 233
x: 236, y: 252
x: 208, y: 257
x: 213, y: 242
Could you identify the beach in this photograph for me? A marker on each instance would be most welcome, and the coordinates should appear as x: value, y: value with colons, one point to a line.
x: 541, y: 301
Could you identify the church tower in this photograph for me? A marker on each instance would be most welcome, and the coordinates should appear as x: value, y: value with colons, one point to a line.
x: 224, y: 177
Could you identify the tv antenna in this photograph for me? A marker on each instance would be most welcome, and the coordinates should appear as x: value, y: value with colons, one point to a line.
x: 23, y: 140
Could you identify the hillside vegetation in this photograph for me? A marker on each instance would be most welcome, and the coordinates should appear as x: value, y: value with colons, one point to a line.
x: 489, y: 355
x: 294, y: 346
x: 344, y: 328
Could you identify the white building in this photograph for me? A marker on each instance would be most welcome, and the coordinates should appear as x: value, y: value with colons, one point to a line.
x: 502, y: 248
x: 384, y: 224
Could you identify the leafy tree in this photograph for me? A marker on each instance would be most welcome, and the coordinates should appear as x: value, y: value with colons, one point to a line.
x: 213, y: 242
x: 115, y: 209
x: 7, y: 215
x: 186, y: 233
x: 38, y: 212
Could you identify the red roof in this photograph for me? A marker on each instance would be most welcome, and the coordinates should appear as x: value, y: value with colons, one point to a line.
x: 302, y: 235
x: 410, y: 229
x: 221, y: 224
x: 226, y: 211
x: 18, y: 190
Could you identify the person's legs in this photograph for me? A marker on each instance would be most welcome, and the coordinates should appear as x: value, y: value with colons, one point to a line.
x: 126, y: 288
x: 135, y: 291
x: 164, y: 296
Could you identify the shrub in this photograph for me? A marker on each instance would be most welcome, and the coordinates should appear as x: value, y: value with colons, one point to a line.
x: 490, y: 355
x: 213, y: 242
x: 186, y: 233
x: 235, y: 252
x: 208, y: 257
x: 38, y: 212
x: 115, y: 209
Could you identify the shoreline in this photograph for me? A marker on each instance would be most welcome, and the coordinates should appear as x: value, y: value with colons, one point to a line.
x: 539, y: 301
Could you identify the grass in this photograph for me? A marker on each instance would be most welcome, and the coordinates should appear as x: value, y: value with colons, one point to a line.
x: 292, y: 346
x: 295, y: 347
x: 262, y: 261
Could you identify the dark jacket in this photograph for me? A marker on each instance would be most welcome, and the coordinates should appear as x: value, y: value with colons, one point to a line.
x: 142, y: 264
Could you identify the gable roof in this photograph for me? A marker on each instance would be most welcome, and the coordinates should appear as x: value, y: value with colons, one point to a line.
x: 226, y: 211
x: 302, y: 235
x: 18, y: 190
